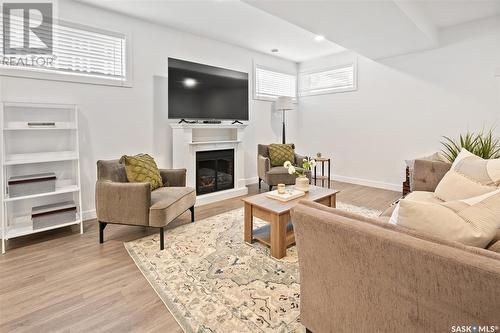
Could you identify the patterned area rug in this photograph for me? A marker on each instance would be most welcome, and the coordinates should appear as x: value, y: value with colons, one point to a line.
x: 212, y: 281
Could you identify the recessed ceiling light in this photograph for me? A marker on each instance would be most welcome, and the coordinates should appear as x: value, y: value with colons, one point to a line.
x: 274, y: 50
x: 189, y: 82
x: 319, y: 38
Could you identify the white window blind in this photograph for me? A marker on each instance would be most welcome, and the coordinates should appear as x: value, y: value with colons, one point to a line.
x: 338, y: 79
x: 77, y: 50
x: 270, y: 84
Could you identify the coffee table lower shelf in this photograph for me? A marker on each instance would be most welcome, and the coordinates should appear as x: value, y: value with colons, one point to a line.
x: 263, y: 235
x: 278, y: 233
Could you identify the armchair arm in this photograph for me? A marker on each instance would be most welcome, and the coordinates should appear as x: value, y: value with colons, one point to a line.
x: 263, y: 166
x: 123, y: 203
x: 173, y: 177
x: 427, y: 174
x: 298, y: 159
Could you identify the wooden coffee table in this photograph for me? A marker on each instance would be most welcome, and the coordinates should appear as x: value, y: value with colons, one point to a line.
x: 279, y: 233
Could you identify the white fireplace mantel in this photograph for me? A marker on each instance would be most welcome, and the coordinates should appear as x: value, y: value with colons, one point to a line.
x: 187, y: 139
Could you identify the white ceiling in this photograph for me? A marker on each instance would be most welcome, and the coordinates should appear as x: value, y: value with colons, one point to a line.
x: 448, y: 13
x: 233, y: 22
x: 374, y: 28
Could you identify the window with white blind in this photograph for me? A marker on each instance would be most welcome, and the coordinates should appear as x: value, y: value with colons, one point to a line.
x: 327, y: 81
x: 270, y: 84
x: 78, y: 53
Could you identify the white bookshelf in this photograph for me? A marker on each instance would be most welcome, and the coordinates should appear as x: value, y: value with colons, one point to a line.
x: 28, y: 148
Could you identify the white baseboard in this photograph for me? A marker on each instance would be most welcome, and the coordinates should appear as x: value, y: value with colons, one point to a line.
x: 351, y: 180
x: 89, y: 215
x: 367, y: 182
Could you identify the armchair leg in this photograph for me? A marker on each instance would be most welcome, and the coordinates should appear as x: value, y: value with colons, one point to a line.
x: 270, y: 187
x: 102, y: 226
x: 192, y: 213
x: 260, y: 181
x: 162, y: 238
x: 308, y: 330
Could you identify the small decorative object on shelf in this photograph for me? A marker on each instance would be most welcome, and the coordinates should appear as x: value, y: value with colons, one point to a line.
x: 41, y: 124
x: 323, y: 177
x: 302, y: 182
x: 318, y: 155
x: 31, y: 184
x: 46, y: 216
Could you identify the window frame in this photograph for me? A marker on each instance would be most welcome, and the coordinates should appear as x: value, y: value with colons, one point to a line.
x: 75, y: 77
x: 266, y: 98
x: 354, y: 64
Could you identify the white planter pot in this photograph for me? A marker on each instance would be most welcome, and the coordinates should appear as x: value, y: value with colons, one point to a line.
x: 302, y: 183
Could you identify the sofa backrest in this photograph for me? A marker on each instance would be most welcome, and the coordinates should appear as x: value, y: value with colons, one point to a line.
x: 111, y: 170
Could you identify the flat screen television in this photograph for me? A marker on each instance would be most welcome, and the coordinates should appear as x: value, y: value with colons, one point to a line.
x: 197, y: 91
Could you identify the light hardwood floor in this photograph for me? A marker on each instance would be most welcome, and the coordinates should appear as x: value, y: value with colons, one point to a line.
x: 61, y: 281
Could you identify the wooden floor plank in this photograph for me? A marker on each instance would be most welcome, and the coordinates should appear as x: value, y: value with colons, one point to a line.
x: 59, y: 280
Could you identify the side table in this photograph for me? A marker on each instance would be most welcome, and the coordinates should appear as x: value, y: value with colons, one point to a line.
x: 323, y: 177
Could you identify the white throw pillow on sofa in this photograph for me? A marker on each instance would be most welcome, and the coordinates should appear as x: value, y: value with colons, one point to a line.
x: 472, y: 221
x: 469, y: 176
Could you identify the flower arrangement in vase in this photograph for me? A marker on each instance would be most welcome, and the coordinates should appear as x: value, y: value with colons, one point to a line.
x: 301, y: 182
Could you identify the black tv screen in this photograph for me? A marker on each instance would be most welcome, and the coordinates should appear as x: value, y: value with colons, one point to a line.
x: 197, y: 91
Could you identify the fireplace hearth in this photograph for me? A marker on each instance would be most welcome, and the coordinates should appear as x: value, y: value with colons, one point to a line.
x: 214, y: 171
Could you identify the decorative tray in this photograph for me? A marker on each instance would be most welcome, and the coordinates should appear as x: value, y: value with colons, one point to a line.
x: 289, y: 194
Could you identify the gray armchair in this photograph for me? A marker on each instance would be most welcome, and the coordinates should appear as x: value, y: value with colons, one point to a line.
x: 273, y: 176
x: 121, y: 202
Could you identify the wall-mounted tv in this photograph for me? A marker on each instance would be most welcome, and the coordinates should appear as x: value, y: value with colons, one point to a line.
x: 197, y: 91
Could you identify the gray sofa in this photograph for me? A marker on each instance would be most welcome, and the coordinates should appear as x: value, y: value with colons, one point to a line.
x: 360, y: 274
x: 273, y: 176
x: 121, y: 202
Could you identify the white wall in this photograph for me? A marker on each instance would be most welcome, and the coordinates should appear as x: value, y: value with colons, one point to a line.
x: 116, y: 121
x: 404, y: 105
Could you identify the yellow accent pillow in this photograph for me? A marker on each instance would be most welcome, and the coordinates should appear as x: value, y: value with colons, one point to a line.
x: 280, y: 153
x: 142, y: 168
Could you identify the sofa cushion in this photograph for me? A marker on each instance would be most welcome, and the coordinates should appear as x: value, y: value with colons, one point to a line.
x: 142, y: 168
x: 472, y: 221
x: 423, y: 196
x: 167, y: 203
x: 280, y: 153
x: 469, y: 176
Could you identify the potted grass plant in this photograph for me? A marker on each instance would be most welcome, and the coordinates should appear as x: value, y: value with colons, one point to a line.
x: 483, y: 144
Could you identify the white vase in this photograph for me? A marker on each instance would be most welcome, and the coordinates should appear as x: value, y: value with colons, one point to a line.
x: 302, y: 183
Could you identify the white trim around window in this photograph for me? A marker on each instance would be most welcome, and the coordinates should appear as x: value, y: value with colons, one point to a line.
x: 335, y: 79
x: 269, y: 83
